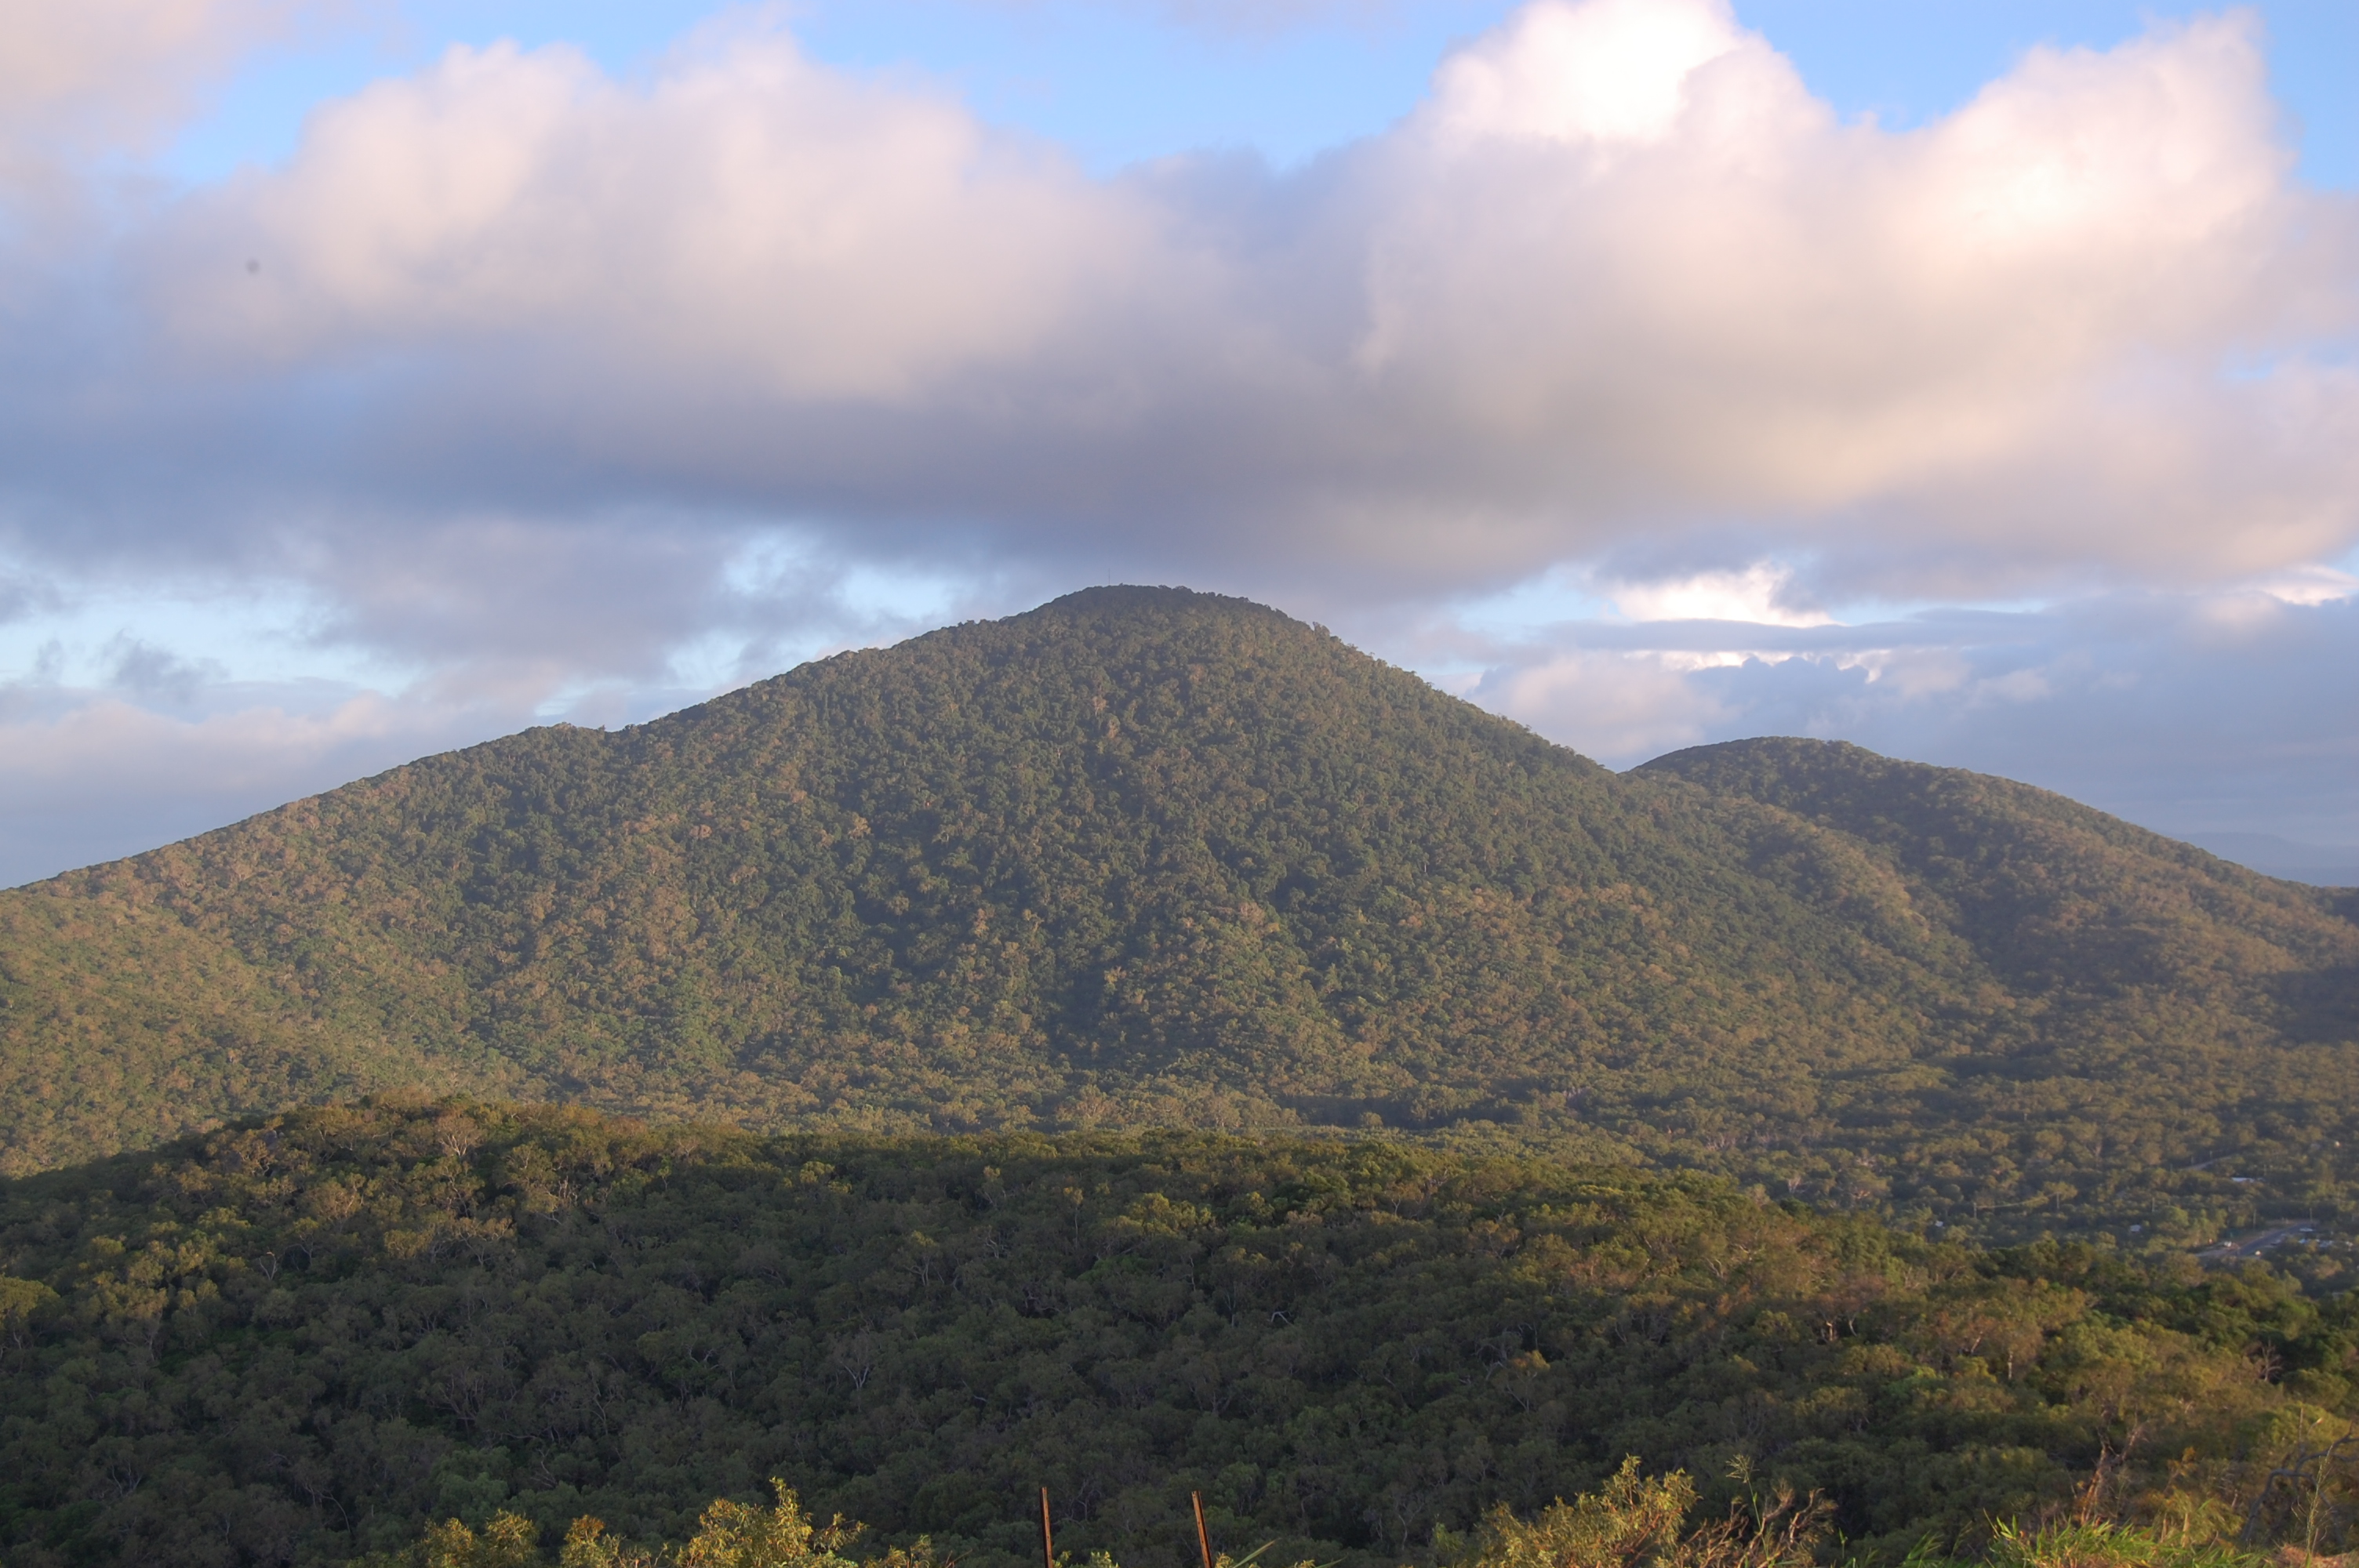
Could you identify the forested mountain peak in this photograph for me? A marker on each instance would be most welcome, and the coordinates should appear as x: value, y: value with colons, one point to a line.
x: 1145, y: 856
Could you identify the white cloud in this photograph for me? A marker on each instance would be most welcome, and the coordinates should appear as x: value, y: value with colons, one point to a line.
x: 1534, y: 323
x: 1761, y: 592
x: 1995, y: 341
x: 2309, y: 585
x: 1619, y: 707
x: 1607, y: 72
x: 98, y: 75
x: 751, y: 217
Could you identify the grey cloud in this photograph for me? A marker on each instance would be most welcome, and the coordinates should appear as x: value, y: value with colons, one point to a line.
x: 519, y: 607
x: 526, y: 600
x: 156, y: 674
x: 22, y: 597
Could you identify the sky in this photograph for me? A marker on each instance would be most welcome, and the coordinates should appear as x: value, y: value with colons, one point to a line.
x: 1975, y: 382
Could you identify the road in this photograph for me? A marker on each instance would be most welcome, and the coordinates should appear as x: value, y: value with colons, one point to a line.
x: 2253, y: 1246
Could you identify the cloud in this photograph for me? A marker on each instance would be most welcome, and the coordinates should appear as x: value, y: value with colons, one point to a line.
x: 88, y: 776
x: 2154, y: 706
x: 792, y: 231
x: 106, y: 75
x: 1617, y: 706
x: 515, y: 365
x: 1620, y: 279
x: 1762, y: 592
x: 1594, y: 75
x: 510, y: 609
x: 168, y: 746
x: 22, y: 597
x: 158, y: 674
x: 1995, y: 343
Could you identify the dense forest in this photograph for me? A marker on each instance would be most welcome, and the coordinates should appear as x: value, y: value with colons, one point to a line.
x: 310, y: 1337
x: 1146, y: 857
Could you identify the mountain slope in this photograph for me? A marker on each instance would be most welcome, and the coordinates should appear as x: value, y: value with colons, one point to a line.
x: 1150, y: 856
x: 2055, y: 896
x: 2148, y: 1002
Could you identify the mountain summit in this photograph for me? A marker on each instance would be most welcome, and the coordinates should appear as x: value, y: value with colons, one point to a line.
x: 1144, y: 855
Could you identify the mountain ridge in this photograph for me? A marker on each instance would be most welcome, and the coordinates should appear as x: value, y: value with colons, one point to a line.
x: 1147, y: 856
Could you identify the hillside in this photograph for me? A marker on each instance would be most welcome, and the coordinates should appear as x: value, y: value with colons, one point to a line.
x: 1143, y: 856
x: 2140, y: 1002
x: 305, y: 1338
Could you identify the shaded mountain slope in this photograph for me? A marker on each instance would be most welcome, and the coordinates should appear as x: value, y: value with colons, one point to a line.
x: 1149, y: 856
x: 2056, y: 898
x: 2139, y: 1000
x: 2094, y: 925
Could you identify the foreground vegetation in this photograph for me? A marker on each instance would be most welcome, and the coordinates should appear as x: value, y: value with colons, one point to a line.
x: 1630, y: 1520
x: 1152, y: 858
x: 308, y: 1339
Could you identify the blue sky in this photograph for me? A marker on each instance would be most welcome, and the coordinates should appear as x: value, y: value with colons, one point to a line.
x: 1119, y: 83
x: 1972, y: 380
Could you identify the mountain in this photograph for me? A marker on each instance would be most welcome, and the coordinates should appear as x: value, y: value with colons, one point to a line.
x: 1151, y: 856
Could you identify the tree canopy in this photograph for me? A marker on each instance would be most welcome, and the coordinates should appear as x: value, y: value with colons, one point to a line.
x: 1146, y: 857
x: 314, y: 1336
